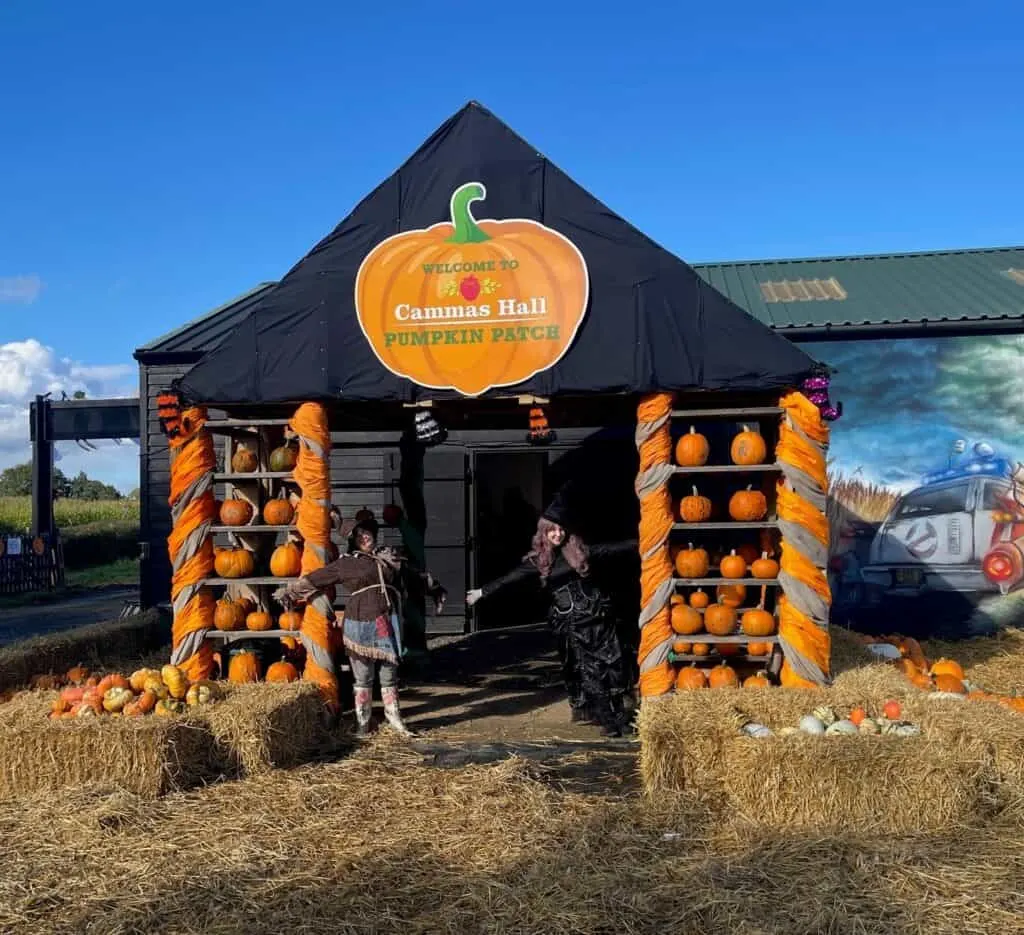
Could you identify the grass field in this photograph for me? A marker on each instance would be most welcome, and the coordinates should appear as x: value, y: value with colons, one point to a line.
x: 16, y: 512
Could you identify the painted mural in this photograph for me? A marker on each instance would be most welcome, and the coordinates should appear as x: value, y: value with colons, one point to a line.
x: 927, y: 483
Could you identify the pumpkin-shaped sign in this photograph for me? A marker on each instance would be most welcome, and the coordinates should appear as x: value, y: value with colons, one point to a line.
x: 472, y: 305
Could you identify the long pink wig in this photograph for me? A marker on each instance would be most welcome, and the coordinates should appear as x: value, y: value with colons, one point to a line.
x: 542, y: 552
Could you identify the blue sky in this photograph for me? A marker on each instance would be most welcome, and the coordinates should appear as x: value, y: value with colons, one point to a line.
x: 157, y: 163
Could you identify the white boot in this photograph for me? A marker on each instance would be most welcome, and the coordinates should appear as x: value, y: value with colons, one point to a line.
x: 392, y: 713
x: 364, y: 710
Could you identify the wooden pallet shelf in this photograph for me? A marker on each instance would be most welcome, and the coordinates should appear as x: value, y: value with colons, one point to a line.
x: 728, y: 469
x: 243, y: 423
x: 716, y: 657
x: 255, y: 527
x: 734, y: 638
x: 713, y: 582
x: 733, y: 524
x: 233, y: 636
x: 254, y: 475
x: 739, y: 415
x: 257, y: 580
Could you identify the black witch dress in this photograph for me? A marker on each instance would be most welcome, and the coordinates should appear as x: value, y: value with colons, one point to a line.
x: 593, y: 665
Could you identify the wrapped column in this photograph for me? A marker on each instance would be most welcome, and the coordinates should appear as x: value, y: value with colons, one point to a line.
x: 654, y: 446
x: 189, y: 545
x: 313, y: 521
x: 802, y: 492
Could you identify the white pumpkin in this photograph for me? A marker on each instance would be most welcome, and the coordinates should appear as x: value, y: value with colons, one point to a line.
x: 756, y: 730
x: 809, y: 724
x: 841, y: 727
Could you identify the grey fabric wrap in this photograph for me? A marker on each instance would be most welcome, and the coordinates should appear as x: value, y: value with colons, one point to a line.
x: 805, y: 541
x: 198, y: 487
x: 802, y: 666
x: 193, y: 542
x: 804, y: 598
x: 802, y: 484
x: 188, y: 647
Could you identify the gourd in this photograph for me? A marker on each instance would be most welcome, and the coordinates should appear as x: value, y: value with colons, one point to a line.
x: 112, y: 681
x: 685, y: 620
x: 244, y: 460
x: 548, y: 264
x: 235, y: 512
x: 282, y: 672
x: 284, y: 458
x: 278, y: 512
x: 137, y: 680
x: 732, y: 566
x: 155, y: 686
x: 731, y: 595
x: 947, y: 667
x: 286, y: 561
x: 699, y: 599
x: 691, y: 562
x: 233, y: 563
x: 259, y: 620
x: 168, y: 707
x: 229, y: 615
x: 757, y: 622
x: 748, y: 506
x: 202, y: 692
x: 720, y: 620
x: 692, y: 450
x: 290, y: 620
x: 690, y: 678
x: 756, y: 681
x: 748, y: 448
x: 723, y: 676
x: 76, y: 675
x: 765, y: 567
x: 114, y: 699
x: 694, y: 508
x: 244, y: 667
x: 175, y: 680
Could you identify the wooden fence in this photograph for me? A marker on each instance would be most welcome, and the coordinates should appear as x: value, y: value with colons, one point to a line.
x: 30, y: 564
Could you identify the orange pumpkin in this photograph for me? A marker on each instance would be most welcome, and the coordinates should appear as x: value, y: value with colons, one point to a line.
x: 247, y: 604
x: 282, y: 672
x: 732, y: 566
x: 244, y: 460
x: 692, y: 450
x: 681, y: 648
x: 284, y: 458
x: 259, y: 620
x: 235, y: 512
x: 244, y: 667
x: 723, y: 676
x: 685, y: 620
x: 290, y: 620
x: 949, y: 683
x: 77, y: 675
x: 690, y: 678
x: 286, y: 561
x: 278, y: 512
x: 720, y: 620
x: 748, y: 506
x: 691, y: 562
x: 228, y: 615
x: 765, y: 567
x: 759, y: 649
x: 701, y: 649
x: 475, y: 263
x: 756, y: 681
x: 748, y: 448
x: 731, y: 595
x: 947, y: 667
x: 911, y: 649
x: 695, y: 508
x: 699, y: 599
x: 112, y: 681
x: 757, y: 622
x: 233, y: 563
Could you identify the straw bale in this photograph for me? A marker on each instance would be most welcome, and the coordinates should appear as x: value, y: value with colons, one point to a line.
x: 111, y: 644
x: 996, y: 663
x: 146, y: 756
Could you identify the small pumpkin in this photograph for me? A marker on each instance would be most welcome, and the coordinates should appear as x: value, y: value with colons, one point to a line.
x: 282, y: 672
x: 175, y: 680
x: 692, y: 450
x: 757, y: 622
x: 202, y: 692
x: 892, y: 709
x: 756, y: 681
x: 259, y: 620
x: 720, y: 620
x: 911, y: 649
x: 759, y: 649
x: 116, y: 698
x: 857, y: 715
x: 701, y: 649
x: 278, y: 512
x: 748, y: 448
x: 72, y: 694
x: 947, y: 667
x: 723, y: 676
x: 949, y: 683
x: 681, y: 648
x: 137, y: 680
x: 731, y: 595
x: 169, y: 707
x: 286, y: 561
x: 247, y: 604
x: 46, y: 683
x: 748, y: 506
x: 235, y: 512
x: 112, y: 681
x: 686, y: 620
x: 732, y: 566
x: 695, y: 508
x: 146, y: 702
x: 244, y: 667
x: 284, y: 458
x: 690, y: 678
x: 765, y: 567
x: 290, y: 620
x: 244, y: 460
x: 59, y: 706
x: 699, y: 599
x: 229, y: 615
x: 77, y: 675
x: 155, y: 686
x: 691, y: 562
x: 233, y: 563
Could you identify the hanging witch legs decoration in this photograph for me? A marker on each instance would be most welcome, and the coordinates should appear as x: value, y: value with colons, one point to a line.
x: 654, y: 444
x: 804, y: 606
x: 190, y: 546
x: 313, y: 521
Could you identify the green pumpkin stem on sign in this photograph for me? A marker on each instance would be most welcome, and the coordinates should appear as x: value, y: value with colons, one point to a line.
x: 466, y: 228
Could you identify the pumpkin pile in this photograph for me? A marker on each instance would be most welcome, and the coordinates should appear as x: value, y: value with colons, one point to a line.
x: 163, y: 692
x: 824, y: 721
x: 748, y: 448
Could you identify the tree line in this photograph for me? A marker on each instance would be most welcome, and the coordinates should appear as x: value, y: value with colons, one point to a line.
x: 16, y: 481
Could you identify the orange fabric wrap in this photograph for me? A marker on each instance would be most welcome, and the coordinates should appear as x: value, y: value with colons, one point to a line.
x: 313, y: 521
x: 804, y: 635
x: 800, y: 567
x: 191, y: 457
x: 806, y: 416
x: 796, y: 509
x: 794, y: 450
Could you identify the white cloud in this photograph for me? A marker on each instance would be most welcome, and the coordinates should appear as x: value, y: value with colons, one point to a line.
x: 24, y: 289
x: 28, y: 368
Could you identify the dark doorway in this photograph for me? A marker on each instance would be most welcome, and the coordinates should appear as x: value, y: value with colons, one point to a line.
x: 509, y: 488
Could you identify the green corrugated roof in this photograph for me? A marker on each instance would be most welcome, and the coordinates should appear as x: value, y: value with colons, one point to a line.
x: 892, y: 289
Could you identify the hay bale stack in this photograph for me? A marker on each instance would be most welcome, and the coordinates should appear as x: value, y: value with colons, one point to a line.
x: 966, y: 765
x: 266, y: 725
x: 147, y: 756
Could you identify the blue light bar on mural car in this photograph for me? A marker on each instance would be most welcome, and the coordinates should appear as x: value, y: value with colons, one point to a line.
x: 979, y: 467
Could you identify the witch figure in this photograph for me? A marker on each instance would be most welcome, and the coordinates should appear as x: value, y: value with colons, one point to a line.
x: 593, y: 665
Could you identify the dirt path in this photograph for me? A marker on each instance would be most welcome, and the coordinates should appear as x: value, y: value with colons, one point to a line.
x: 18, y: 623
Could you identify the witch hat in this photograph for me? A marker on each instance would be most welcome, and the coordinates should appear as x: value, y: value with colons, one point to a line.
x: 557, y: 511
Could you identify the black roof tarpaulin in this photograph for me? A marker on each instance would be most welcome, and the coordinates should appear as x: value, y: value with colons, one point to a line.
x: 651, y: 322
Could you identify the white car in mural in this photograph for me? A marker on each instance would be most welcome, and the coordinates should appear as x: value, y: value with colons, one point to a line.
x: 944, y: 535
